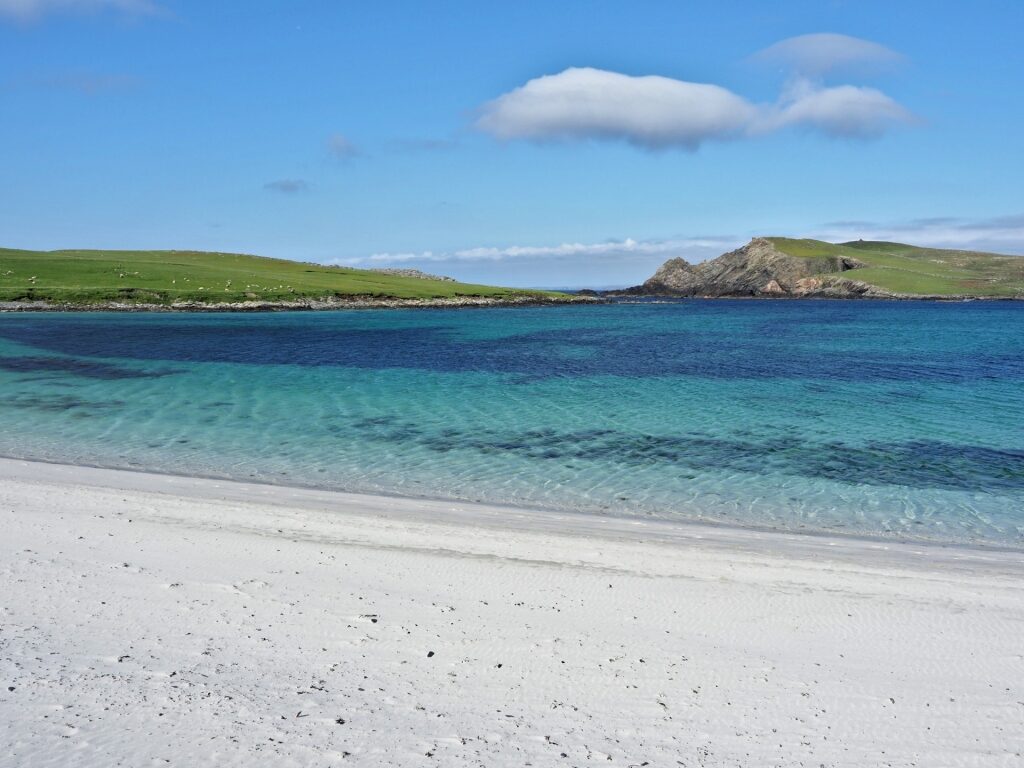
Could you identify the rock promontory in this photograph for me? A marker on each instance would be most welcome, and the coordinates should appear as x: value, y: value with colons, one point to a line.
x: 759, y: 268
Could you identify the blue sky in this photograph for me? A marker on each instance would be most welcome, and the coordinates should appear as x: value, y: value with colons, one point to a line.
x: 515, y: 143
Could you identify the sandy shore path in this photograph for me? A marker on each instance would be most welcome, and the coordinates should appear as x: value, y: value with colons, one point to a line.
x: 150, y: 620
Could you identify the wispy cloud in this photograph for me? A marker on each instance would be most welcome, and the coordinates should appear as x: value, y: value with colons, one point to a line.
x: 287, y: 186
x: 657, y: 113
x: 824, y: 53
x: 1013, y: 222
x: 29, y: 10
x: 998, y: 233
x: 610, y: 249
x: 1001, y: 234
x: 341, y: 147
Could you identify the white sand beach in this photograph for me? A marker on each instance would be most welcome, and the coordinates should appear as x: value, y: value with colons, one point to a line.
x: 151, y: 620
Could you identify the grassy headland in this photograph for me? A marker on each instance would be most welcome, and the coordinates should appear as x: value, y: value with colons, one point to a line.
x: 910, y: 270
x: 168, y: 278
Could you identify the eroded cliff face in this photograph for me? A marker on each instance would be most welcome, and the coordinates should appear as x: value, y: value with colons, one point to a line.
x: 758, y: 269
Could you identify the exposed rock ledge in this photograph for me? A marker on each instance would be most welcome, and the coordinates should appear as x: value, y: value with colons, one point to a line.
x: 758, y: 269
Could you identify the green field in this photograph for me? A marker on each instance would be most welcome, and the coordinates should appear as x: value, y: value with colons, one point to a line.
x: 165, y: 277
x: 907, y: 269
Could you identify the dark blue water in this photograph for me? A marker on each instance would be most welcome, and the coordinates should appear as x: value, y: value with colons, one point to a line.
x: 883, y: 418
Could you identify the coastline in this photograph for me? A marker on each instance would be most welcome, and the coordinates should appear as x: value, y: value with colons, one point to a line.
x: 309, y: 305
x: 504, y: 516
x: 467, y: 302
x: 624, y: 297
x: 205, y: 621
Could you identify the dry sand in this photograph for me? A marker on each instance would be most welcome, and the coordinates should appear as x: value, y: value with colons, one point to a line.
x: 151, y: 620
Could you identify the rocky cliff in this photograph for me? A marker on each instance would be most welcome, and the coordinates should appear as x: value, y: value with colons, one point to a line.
x: 759, y: 269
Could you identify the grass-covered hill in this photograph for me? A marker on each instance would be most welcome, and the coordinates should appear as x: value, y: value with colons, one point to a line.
x: 176, y: 277
x: 907, y: 269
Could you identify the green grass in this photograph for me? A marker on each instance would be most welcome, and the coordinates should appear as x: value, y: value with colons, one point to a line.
x: 901, y: 268
x: 164, y: 277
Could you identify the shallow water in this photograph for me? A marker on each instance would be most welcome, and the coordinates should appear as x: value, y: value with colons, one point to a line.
x: 879, y: 418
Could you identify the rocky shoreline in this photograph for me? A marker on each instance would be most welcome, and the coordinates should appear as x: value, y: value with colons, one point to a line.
x: 312, y: 305
x: 759, y: 270
x: 621, y: 297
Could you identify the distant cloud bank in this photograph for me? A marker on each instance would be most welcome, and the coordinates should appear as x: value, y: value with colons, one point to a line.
x: 613, y: 249
x: 1001, y: 234
x: 657, y: 113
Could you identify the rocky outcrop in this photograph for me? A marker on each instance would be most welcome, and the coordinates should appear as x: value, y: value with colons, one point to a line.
x: 758, y: 269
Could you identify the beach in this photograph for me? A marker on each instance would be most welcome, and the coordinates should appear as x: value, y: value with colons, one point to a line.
x: 511, y: 385
x: 159, y: 620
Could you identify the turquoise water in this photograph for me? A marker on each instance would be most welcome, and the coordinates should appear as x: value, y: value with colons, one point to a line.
x: 878, y: 418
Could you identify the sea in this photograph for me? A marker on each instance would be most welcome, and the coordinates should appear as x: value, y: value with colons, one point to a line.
x: 900, y: 420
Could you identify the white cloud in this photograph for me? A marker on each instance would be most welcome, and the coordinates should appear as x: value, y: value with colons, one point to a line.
x: 845, y: 111
x: 340, y: 146
x: 610, y: 249
x: 825, y: 52
x: 658, y: 112
x: 26, y: 10
x: 653, y: 112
